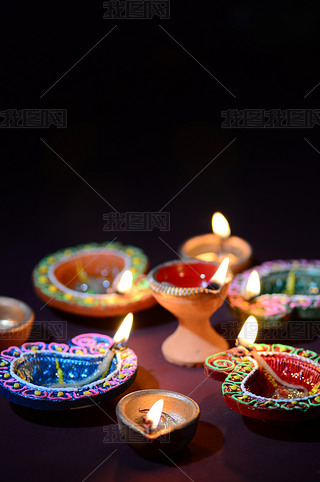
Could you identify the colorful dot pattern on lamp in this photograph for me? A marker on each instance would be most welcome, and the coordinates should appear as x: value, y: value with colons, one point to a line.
x: 23, y: 392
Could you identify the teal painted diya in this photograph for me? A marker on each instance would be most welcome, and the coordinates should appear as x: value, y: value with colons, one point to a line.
x: 288, y: 290
x: 269, y: 382
x: 85, y: 280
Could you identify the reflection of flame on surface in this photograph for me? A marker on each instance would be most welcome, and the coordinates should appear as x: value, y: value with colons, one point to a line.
x: 125, y: 282
x: 220, y: 225
x: 154, y: 414
x: 123, y: 332
x: 248, y: 332
x: 253, y: 287
x: 221, y: 273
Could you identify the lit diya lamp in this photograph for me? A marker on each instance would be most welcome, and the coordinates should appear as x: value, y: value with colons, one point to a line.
x: 157, y: 422
x: 58, y: 376
x: 192, y: 291
x: 272, y: 382
x: 218, y: 245
x: 277, y: 291
x: 95, y: 280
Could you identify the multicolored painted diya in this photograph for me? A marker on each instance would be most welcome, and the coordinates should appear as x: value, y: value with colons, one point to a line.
x: 28, y: 372
x: 289, y: 289
x: 248, y: 389
x: 83, y: 279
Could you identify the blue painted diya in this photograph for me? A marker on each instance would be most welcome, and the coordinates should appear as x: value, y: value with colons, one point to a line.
x: 289, y: 290
x: 28, y: 372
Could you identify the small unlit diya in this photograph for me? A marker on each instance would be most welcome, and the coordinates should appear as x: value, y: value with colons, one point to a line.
x: 16, y: 319
x: 85, y: 280
x: 192, y: 291
x: 280, y: 290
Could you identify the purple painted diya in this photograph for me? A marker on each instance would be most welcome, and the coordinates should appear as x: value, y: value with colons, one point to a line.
x: 28, y: 373
x: 249, y: 390
x: 289, y: 289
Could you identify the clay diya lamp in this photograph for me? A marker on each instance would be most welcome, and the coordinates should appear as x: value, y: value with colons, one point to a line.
x: 277, y: 292
x: 16, y: 319
x: 90, y: 369
x: 269, y: 382
x: 85, y: 280
x: 157, y: 422
x: 217, y: 245
x: 182, y: 288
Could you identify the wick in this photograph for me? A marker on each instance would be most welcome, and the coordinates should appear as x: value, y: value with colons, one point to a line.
x: 263, y: 364
x: 214, y: 286
x: 147, y: 425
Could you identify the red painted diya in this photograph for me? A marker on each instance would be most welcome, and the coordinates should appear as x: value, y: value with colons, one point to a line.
x: 249, y: 390
x: 180, y: 287
x: 83, y: 280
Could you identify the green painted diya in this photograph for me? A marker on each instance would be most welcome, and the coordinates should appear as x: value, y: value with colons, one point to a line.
x: 289, y: 290
x: 84, y: 279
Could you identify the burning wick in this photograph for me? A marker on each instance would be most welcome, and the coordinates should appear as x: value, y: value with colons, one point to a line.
x: 246, y: 338
x: 118, y: 342
x: 219, y: 277
x: 220, y: 228
x: 124, y: 283
x: 152, y: 418
x: 253, y: 287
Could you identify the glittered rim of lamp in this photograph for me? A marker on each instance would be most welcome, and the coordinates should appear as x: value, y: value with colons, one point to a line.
x: 58, y: 295
x: 281, y: 305
x: 92, y: 345
x: 237, y: 373
x: 160, y: 286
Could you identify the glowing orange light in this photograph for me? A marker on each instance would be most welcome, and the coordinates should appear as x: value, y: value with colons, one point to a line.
x: 154, y: 414
x: 220, y: 225
x: 248, y: 332
x: 221, y: 273
x: 125, y: 282
x: 123, y: 332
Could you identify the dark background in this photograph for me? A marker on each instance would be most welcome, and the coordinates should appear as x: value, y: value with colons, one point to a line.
x: 143, y: 120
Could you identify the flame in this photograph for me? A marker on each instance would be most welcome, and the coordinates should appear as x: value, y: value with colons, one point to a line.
x: 125, y: 282
x: 221, y: 273
x: 154, y: 414
x: 124, y: 329
x: 220, y: 225
x: 253, y: 287
x: 248, y: 332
